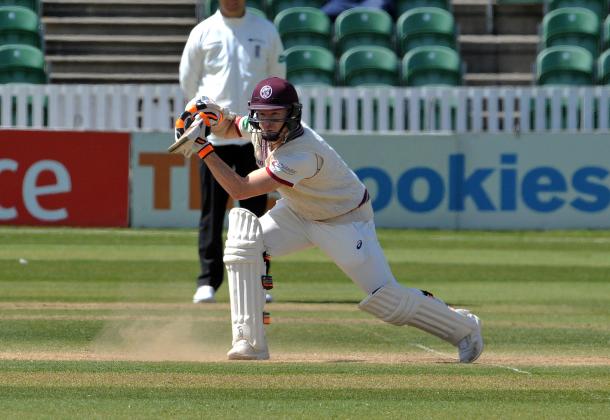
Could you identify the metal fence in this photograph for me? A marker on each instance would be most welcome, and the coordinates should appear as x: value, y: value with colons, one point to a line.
x: 327, y: 109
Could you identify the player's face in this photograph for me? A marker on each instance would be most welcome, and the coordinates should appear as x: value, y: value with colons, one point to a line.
x: 272, y: 120
x: 232, y: 8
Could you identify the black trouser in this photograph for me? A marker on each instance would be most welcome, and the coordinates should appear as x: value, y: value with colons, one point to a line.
x: 213, y: 208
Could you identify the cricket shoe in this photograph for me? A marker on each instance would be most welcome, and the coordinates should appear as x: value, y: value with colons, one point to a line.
x: 204, y: 294
x: 471, y: 346
x: 242, y: 350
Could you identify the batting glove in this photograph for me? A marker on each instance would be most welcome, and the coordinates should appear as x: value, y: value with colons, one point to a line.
x: 204, y: 109
x: 193, y: 127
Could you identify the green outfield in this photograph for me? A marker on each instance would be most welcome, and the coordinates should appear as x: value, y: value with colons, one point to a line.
x: 99, y: 324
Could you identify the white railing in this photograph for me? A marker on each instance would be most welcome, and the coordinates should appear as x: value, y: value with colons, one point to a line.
x: 90, y: 107
x: 383, y: 109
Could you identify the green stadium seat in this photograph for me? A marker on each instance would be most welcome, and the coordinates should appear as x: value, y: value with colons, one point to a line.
x: 432, y: 66
x: 310, y: 65
x: 362, y: 26
x: 572, y: 26
x: 368, y: 65
x: 606, y: 33
x: 405, y: 5
x: 425, y: 26
x: 33, y: 5
x: 304, y: 26
x: 22, y: 64
x: 599, y: 7
x: 564, y: 65
x: 19, y: 25
x: 254, y: 6
x: 603, y: 69
x: 274, y: 7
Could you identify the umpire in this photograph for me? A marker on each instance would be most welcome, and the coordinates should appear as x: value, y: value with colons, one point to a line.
x: 224, y: 58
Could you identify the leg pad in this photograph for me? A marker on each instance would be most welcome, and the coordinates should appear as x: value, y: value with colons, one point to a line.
x: 399, y: 305
x: 245, y: 267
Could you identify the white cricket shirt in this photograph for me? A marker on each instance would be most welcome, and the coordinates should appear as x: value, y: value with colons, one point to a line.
x: 316, y: 183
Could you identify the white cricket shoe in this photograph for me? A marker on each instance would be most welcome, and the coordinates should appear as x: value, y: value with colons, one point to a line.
x: 268, y: 298
x: 242, y: 350
x: 471, y: 346
x: 204, y: 294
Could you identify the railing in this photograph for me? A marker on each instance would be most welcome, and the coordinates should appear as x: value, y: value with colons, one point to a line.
x: 90, y: 107
x: 382, y: 109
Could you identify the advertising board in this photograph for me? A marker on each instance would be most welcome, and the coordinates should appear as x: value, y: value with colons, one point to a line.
x: 499, y: 181
x: 64, y: 178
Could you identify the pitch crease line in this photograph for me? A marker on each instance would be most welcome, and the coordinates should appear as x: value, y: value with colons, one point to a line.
x: 430, y: 350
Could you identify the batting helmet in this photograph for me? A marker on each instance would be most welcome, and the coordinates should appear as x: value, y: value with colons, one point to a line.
x: 275, y: 93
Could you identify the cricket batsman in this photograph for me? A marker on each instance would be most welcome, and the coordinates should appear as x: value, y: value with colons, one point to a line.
x: 323, y: 204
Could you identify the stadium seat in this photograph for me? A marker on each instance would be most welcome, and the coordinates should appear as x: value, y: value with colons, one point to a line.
x: 33, y: 5
x: 19, y: 25
x: 572, y: 26
x: 368, y: 65
x: 274, y: 7
x: 405, y: 5
x: 21, y: 64
x: 564, y: 65
x: 310, y: 65
x: 599, y: 7
x: 606, y: 33
x: 304, y: 26
x: 603, y: 69
x: 425, y: 26
x: 432, y: 66
x: 361, y: 26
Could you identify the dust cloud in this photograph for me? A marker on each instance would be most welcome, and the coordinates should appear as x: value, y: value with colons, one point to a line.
x: 178, y: 338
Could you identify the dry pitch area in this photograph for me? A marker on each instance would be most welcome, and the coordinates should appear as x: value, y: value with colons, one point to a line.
x: 177, y: 332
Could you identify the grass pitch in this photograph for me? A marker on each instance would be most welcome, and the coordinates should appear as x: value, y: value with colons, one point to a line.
x: 97, y: 323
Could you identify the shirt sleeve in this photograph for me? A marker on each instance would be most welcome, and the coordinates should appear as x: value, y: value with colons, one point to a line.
x: 242, y: 124
x: 191, y: 63
x: 290, y: 170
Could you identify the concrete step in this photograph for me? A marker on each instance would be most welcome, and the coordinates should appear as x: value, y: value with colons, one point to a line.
x: 499, y: 53
x: 498, y: 79
x: 115, y: 44
x: 121, y: 8
x: 114, y: 78
x: 471, y: 16
x: 118, y: 25
x: 95, y: 64
x: 486, y: 17
x: 514, y: 19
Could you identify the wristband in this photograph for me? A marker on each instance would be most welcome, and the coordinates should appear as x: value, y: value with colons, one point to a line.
x: 205, y: 150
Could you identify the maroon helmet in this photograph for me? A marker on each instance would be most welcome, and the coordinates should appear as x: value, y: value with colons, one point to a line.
x: 275, y: 93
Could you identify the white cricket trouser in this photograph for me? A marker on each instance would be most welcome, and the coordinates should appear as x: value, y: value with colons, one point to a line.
x: 352, y: 246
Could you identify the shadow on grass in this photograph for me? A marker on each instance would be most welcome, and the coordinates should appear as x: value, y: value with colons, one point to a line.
x: 318, y: 301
